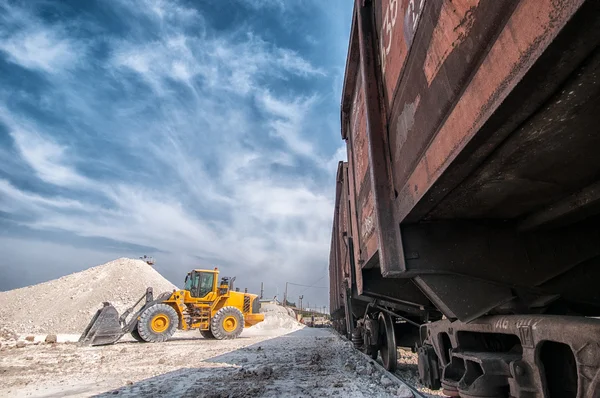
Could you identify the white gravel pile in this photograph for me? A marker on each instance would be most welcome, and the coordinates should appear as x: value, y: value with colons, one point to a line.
x: 277, y: 318
x: 66, y: 305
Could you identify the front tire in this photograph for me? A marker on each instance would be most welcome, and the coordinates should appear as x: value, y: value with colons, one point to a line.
x: 207, y: 334
x: 157, y: 323
x: 227, y: 323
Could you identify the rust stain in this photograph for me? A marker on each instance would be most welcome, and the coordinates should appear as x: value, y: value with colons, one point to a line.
x: 521, y: 41
x: 367, y: 226
x: 396, y: 24
x: 406, y: 122
x: 453, y: 27
x: 359, y: 135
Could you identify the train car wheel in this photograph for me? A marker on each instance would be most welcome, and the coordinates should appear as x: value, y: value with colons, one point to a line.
x: 389, y: 354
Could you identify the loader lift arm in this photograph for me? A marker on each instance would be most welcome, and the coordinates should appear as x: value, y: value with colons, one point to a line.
x: 107, y: 327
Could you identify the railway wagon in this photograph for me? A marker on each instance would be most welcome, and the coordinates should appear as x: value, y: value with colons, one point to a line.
x: 467, y: 217
x: 339, y: 257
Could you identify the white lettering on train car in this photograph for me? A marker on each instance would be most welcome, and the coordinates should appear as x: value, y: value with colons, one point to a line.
x: 387, y: 28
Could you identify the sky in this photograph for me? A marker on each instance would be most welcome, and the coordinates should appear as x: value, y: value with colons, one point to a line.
x: 203, y: 133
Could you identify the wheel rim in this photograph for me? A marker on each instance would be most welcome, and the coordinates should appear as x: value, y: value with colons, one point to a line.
x: 387, y: 349
x: 159, y: 323
x: 229, y: 324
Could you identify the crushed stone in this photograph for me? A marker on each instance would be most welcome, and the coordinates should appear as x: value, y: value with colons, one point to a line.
x: 67, y: 304
x: 303, y: 363
x: 408, y: 370
x: 277, y: 318
x: 7, y: 334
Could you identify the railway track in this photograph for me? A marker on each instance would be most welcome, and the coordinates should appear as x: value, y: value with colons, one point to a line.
x: 392, y: 375
x: 396, y: 378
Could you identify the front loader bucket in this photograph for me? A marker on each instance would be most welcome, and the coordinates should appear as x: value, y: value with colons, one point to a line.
x: 104, y: 328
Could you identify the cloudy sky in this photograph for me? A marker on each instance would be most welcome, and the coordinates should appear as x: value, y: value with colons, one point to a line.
x: 200, y: 132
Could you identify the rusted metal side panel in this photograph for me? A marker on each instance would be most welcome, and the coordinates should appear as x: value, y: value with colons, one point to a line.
x: 388, y: 236
x: 352, y: 212
x: 339, y: 257
x: 365, y: 239
x: 453, y: 82
x: 396, y: 23
x: 344, y: 229
x: 447, y: 48
x: 335, y: 303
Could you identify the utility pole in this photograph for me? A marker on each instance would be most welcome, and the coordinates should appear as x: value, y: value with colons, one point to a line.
x: 300, y: 299
x: 285, y: 295
x: 261, y: 290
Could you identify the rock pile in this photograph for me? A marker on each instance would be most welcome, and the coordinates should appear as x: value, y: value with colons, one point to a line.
x: 277, y: 318
x: 66, y: 305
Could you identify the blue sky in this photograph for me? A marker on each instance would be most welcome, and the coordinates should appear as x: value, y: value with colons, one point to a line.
x: 200, y: 132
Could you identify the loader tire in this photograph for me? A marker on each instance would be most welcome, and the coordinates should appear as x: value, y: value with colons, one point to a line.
x: 207, y: 334
x: 136, y: 335
x: 227, y: 323
x: 157, y: 323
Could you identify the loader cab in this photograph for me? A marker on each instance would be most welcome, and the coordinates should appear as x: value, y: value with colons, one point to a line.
x: 201, y: 282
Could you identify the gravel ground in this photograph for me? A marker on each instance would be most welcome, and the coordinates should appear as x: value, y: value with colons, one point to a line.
x: 278, y: 357
x: 303, y: 363
x: 409, y: 372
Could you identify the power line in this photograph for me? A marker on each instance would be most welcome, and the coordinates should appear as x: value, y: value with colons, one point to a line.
x: 314, y: 282
x: 316, y: 287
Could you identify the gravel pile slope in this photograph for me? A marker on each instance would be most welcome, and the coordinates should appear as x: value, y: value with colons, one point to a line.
x: 66, y: 305
x: 277, y: 318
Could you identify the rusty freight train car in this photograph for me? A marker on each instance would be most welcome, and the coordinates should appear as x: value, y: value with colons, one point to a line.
x: 339, y: 275
x: 467, y: 217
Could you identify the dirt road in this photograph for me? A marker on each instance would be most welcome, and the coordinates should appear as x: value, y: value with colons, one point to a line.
x: 303, y: 363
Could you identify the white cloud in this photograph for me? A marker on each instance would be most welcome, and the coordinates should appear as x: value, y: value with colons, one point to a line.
x: 258, y: 4
x: 340, y: 155
x: 162, y: 11
x: 286, y: 120
x: 168, y: 10
x: 15, y: 200
x: 236, y: 64
x: 47, y: 158
x: 157, y: 61
x: 26, y: 42
x: 291, y: 61
x: 41, y: 50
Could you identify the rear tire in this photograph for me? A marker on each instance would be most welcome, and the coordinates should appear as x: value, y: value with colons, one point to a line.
x: 227, y: 323
x: 207, y: 334
x: 157, y: 323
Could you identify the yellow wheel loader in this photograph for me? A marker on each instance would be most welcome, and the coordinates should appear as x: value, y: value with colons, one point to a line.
x: 204, y: 304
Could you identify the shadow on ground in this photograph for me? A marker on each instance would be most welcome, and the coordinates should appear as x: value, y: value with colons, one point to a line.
x: 307, y: 362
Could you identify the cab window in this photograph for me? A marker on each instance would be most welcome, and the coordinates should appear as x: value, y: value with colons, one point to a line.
x: 206, y: 283
x: 188, y: 282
